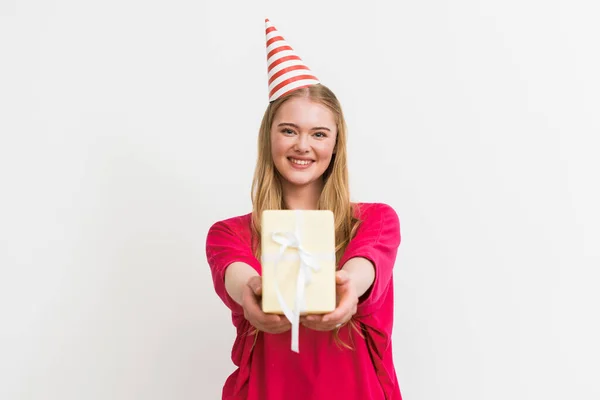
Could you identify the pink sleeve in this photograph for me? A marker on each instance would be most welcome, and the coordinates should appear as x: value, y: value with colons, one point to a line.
x: 377, y: 239
x: 223, y: 247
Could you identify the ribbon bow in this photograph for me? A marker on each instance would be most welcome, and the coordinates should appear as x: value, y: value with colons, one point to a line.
x: 308, y: 263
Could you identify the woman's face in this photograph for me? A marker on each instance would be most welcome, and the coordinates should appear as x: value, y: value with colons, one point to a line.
x: 303, y: 137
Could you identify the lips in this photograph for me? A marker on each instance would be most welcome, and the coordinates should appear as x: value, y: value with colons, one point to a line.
x: 299, y: 163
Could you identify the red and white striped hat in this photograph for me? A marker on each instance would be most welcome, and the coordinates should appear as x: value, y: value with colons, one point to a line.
x: 287, y: 72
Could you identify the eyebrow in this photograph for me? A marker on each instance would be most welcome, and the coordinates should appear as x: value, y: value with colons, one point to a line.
x: 297, y: 127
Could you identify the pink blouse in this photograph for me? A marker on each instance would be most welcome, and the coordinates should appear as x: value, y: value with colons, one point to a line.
x: 322, y: 370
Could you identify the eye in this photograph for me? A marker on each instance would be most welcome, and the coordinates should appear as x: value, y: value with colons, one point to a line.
x: 320, y: 134
x: 287, y: 131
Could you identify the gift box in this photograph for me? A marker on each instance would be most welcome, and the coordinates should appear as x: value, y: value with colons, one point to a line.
x: 298, y: 261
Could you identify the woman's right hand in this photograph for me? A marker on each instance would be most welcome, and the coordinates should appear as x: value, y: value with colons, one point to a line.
x: 269, y: 323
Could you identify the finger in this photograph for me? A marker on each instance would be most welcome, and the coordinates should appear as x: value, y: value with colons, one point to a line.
x: 337, y: 317
x: 275, y: 320
x: 282, y: 328
x: 312, y: 325
x: 312, y: 318
x: 255, y: 284
x: 341, y: 312
x: 278, y: 327
x: 252, y: 306
x: 254, y: 311
x: 319, y: 326
x: 342, y: 277
x: 269, y: 319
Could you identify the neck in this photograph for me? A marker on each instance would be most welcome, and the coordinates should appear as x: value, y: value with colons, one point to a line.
x: 303, y: 197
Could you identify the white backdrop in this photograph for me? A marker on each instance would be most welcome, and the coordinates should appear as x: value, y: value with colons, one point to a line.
x: 129, y: 127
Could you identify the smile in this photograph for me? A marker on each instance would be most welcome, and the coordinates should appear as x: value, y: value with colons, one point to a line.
x: 300, y: 163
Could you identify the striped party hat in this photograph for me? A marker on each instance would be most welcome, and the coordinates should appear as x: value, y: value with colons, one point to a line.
x: 286, y: 71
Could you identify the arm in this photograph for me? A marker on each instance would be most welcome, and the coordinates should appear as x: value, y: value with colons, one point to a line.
x: 353, y: 281
x: 236, y: 278
x: 377, y: 240
x: 226, y: 248
x: 244, y: 285
x: 363, y: 281
x: 361, y: 274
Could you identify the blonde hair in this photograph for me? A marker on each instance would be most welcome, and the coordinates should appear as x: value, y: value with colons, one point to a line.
x: 267, y: 193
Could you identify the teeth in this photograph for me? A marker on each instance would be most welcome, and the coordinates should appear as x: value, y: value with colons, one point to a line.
x: 300, y: 162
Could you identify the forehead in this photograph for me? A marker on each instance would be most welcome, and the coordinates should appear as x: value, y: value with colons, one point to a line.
x: 305, y: 113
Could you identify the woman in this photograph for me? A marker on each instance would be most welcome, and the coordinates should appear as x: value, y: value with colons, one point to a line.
x: 301, y: 164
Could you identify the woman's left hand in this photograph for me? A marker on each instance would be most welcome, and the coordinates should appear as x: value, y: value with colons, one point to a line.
x: 347, y: 300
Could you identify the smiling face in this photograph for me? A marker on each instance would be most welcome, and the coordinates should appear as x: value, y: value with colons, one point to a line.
x: 303, y: 137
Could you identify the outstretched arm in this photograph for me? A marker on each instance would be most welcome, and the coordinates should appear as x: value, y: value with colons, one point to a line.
x: 361, y: 274
x: 364, y: 280
x: 244, y: 285
x: 236, y: 279
x: 354, y: 280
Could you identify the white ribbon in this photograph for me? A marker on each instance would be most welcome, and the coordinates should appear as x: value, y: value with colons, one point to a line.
x: 308, y: 264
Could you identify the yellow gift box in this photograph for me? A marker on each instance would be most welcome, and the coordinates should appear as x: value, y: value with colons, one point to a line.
x: 298, y: 262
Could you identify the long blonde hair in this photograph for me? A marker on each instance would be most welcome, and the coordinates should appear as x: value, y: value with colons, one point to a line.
x: 267, y: 192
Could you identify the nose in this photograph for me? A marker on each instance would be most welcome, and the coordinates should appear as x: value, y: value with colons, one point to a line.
x: 302, y: 145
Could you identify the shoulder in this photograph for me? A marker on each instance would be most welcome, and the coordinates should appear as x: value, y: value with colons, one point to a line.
x: 239, y: 225
x: 377, y: 222
x: 375, y: 211
x: 233, y: 221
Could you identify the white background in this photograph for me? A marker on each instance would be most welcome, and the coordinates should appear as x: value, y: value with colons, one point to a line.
x: 129, y: 127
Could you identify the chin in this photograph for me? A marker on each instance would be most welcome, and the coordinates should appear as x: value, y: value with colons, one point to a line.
x: 298, y: 182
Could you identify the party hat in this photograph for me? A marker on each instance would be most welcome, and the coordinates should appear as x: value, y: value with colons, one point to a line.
x: 286, y: 71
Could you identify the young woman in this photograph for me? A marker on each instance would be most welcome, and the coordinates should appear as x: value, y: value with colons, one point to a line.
x: 301, y: 164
